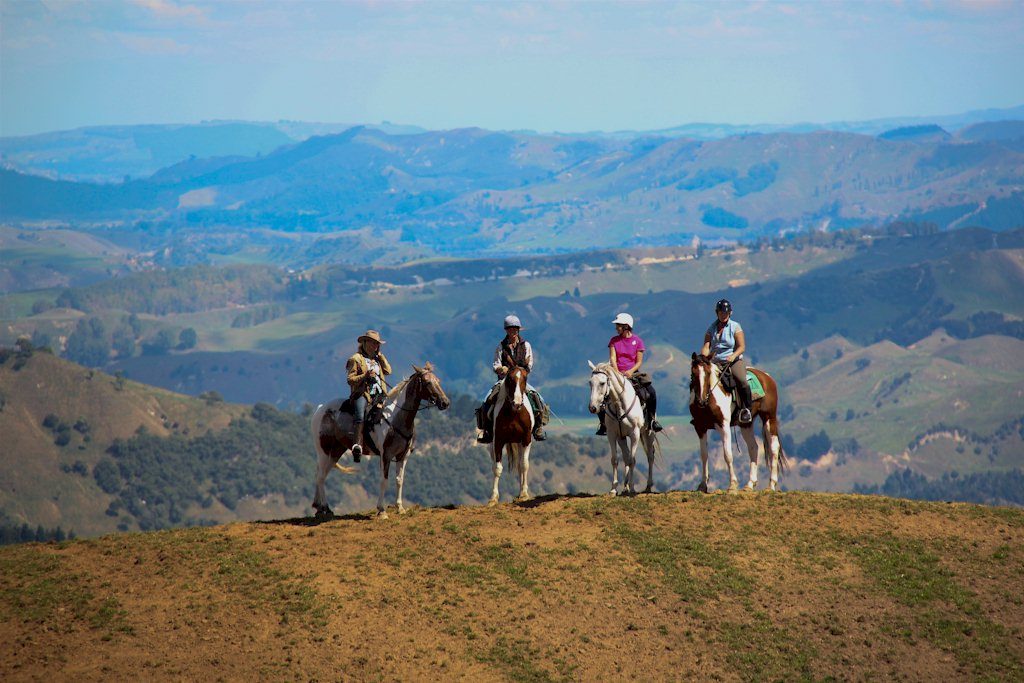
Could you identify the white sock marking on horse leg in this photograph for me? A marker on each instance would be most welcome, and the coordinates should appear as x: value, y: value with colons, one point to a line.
x: 752, y: 451
x: 497, y: 475
x: 614, y: 443
x: 727, y: 454
x: 399, y: 481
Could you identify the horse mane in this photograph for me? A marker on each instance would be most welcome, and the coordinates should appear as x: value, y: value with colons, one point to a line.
x: 613, y: 375
x: 398, y: 388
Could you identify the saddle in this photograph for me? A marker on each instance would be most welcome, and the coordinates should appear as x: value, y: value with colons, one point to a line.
x: 331, y: 437
x: 729, y: 384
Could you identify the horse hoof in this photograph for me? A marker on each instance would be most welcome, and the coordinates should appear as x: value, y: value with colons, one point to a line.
x: 323, y: 512
x: 703, y: 488
x: 750, y: 486
x: 492, y: 502
x: 613, y: 493
x: 649, y: 489
x: 401, y: 511
x: 382, y: 514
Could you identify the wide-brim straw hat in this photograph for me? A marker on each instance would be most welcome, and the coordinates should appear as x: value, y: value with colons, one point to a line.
x: 372, y: 335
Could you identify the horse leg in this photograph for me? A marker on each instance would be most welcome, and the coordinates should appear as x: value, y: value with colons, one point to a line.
x: 323, y: 468
x: 705, y: 473
x: 648, y: 440
x: 399, y: 481
x: 613, y: 443
x: 385, y: 465
x: 751, y: 441
x: 629, y: 462
x: 496, y: 449
x: 524, y: 467
x: 770, y: 431
x: 726, y: 435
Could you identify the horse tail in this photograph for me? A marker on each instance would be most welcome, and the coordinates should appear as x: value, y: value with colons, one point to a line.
x: 783, y: 460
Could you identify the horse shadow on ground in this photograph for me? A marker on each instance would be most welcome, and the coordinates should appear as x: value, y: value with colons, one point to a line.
x: 317, y: 520
x: 537, y: 501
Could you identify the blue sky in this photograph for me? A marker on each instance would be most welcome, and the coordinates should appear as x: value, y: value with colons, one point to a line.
x: 568, y: 66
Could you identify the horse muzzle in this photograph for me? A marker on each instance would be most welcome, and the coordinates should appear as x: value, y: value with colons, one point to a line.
x: 593, y: 409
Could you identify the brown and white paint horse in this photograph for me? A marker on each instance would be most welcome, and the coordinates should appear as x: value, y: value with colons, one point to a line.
x: 513, y: 431
x: 624, y: 422
x: 712, y: 408
x: 393, y: 437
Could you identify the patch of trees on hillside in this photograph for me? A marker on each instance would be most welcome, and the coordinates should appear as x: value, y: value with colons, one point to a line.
x: 160, y: 482
x: 988, y: 488
x: 182, y: 290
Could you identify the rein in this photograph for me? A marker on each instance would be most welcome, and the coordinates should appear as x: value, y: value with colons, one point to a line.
x: 414, y: 410
x: 706, y: 398
x: 618, y: 417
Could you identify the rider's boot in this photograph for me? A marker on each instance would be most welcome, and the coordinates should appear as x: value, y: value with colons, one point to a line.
x: 655, y: 425
x: 601, y: 429
x: 357, y: 448
x: 483, y: 426
x: 538, y: 430
x: 745, y: 402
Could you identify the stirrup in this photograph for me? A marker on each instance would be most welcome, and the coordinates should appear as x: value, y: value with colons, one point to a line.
x: 484, y: 437
x: 602, y: 430
x: 745, y: 416
x: 539, y: 435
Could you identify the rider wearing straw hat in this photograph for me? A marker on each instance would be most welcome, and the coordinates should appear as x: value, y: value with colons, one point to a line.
x: 366, y: 369
x: 626, y: 354
x: 513, y: 350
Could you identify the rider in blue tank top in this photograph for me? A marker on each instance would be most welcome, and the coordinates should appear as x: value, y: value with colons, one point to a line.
x: 725, y: 343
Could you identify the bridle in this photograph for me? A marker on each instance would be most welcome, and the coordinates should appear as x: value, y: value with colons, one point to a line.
x: 421, y: 403
x: 608, y: 391
x: 705, y: 397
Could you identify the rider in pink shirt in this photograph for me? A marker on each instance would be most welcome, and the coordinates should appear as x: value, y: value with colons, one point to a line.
x: 626, y: 352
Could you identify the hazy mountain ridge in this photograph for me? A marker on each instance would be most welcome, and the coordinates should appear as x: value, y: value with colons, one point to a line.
x: 472, y: 192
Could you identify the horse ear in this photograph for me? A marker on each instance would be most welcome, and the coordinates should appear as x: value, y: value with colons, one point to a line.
x: 592, y: 366
x: 417, y: 370
x: 693, y: 356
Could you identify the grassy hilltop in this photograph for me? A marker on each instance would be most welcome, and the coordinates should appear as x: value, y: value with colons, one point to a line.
x: 670, y: 586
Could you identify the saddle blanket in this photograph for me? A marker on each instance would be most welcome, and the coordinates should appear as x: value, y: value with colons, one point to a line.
x: 756, y: 390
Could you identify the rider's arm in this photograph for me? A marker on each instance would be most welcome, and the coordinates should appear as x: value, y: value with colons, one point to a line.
x: 497, y: 359
x: 385, y: 366
x: 639, y: 361
x: 529, y: 356
x: 611, y: 356
x: 706, y: 349
x: 741, y: 346
x: 355, y: 372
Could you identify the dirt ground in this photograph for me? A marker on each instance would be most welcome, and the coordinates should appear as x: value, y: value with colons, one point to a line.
x: 656, y: 587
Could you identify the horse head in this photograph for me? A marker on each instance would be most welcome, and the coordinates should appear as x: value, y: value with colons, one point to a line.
x: 428, y: 387
x: 702, y: 372
x: 515, y: 385
x: 600, y: 385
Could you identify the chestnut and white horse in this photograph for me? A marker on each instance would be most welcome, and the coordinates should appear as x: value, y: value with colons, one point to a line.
x: 393, y: 437
x: 712, y: 408
x: 624, y: 422
x: 513, y: 431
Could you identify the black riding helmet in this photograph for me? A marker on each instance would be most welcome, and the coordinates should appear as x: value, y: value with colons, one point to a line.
x: 723, y: 305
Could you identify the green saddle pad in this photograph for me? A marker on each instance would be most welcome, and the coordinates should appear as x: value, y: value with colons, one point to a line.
x: 756, y: 390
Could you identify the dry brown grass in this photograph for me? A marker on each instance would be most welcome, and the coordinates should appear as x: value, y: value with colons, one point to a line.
x: 670, y: 586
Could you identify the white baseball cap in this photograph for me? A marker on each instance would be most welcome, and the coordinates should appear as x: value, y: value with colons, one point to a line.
x: 623, y: 319
x: 512, y: 321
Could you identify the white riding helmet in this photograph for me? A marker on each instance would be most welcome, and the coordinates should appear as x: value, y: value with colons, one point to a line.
x: 623, y: 319
x: 512, y: 321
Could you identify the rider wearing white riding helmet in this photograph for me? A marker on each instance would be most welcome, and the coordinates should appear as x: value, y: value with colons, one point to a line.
x: 626, y: 354
x: 725, y: 343
x: 511, y: 351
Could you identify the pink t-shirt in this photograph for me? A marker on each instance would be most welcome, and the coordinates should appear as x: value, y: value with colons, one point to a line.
x: 626, y: 350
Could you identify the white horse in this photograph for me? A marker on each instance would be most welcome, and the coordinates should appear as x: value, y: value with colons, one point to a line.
x: 513, y: 431
x: 624, y: 422
x: 393, y: 437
